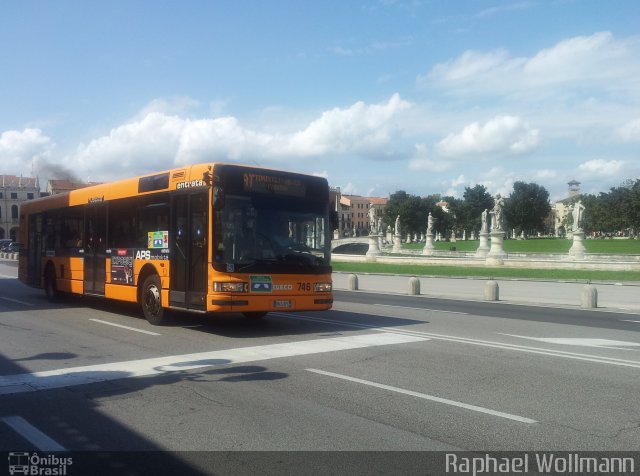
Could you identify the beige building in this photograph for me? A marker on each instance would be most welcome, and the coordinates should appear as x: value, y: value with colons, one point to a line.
x: 354, y: 213
x: 13, y: 191
x: 562, y: 208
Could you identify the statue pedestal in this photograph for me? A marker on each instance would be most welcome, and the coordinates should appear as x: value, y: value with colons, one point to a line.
x: 429, y: 247
x: 483, y: 249
x: 577, y: 249
x: 496, y: 253
x: 374, y: 249
x: 397, y: 243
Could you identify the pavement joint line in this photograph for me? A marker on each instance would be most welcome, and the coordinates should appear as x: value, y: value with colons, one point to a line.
x: 32, y: 434
x: 421, y: 309
x: 425, y: 396
x: 483, y: 343
x: 125, y: 327
x: 17, y: 301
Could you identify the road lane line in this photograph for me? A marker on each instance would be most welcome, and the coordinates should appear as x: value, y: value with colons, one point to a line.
x: 424, y: 396
x: 24, y: 303
x: 465, y: 340
x: 422, y: 309
x: 32, y: 434
x: 67, y: 377
x: 125, y: 327
x: 629, y: 320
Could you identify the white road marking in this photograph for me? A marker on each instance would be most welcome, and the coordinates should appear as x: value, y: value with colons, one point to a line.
x: 422, y: 309
x: 7, y: 276
x: 580, y: 341
x: 24, y: 303
x: 464, y: 340
x: 32, y: 434
x: 59, y: 378
x: 428, y: 397
x: 125, y: 327
x: 628, y: 320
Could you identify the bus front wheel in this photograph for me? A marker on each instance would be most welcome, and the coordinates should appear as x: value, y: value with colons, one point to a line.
x: 151, y: 301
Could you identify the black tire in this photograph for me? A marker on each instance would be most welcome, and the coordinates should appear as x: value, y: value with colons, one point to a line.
x: 50, y: 286
x: 254, y: 315
x: 151, y: 301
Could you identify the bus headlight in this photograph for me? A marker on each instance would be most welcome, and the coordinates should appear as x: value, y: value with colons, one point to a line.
x: 219, y: 287
x: 323, y: 287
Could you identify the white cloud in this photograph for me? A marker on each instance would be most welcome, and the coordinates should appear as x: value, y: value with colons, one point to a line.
x: 169, y: 106
x: 600, y: 167
x: 630, y: 132
x: 323, y: 174
x: 471, y: 64
x: 545, y: 174
x: 360, y: 129
x: 20, y: 149
x: 598, y: 61
x: 158, y: 140
x: 349, y: 189
x: 498, y: 180
x: 493, y: 11
x: 458, y: 181
x: 422, y: 162
x: 500, y: 135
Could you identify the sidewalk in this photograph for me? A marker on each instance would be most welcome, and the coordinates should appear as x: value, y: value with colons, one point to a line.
x: 611, y: 296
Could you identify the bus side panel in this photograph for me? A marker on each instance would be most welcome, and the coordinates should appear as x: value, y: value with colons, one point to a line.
x: 121, y: 292
x: 129, y: 292
x: 69, y: 273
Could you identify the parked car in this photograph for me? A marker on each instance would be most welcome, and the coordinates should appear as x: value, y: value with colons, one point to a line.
x: 4, y: 242
x: 12, y: 247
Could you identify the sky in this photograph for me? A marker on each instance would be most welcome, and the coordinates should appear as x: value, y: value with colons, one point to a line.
x: 425, y: 96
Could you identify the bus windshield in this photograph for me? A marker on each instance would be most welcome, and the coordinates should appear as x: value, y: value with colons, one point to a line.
x: 271, y: 235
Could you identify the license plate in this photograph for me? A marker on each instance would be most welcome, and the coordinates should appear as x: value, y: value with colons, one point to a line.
x: 282, y: 303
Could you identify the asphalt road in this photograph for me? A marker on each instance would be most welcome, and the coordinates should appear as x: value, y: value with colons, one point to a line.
x: 379, y: 372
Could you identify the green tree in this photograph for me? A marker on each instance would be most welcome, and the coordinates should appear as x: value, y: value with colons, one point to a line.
x: 527, y: 208
x: 614, y: 211
x: 412, y: 209
x: 476, y: 200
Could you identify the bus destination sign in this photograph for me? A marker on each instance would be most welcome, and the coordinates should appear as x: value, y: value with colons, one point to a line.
x: 273, y: 184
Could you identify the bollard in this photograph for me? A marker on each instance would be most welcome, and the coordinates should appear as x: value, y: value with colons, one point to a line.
x: 589, y: 296
x: 491, y: 291
x: 353, y: 282
x: 414, y: 286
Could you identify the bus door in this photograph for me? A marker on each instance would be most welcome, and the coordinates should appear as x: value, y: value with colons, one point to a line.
x: 34, y: 246
x: 188, y: 242
x: 95, y: 248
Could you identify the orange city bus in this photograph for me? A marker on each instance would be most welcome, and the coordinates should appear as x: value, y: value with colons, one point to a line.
x: 202, y: 238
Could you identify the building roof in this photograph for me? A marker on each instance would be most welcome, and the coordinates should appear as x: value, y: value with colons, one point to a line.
x: 13, y: 181
x: 61, y: 186
x: 378, y: 200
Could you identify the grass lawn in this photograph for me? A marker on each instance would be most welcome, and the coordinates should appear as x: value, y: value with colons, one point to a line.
x: 536, y: 245
x: 497, y: 272
x: 542, y: 245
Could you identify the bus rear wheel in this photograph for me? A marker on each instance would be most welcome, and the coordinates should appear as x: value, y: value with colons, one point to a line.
x: 151, y: 301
